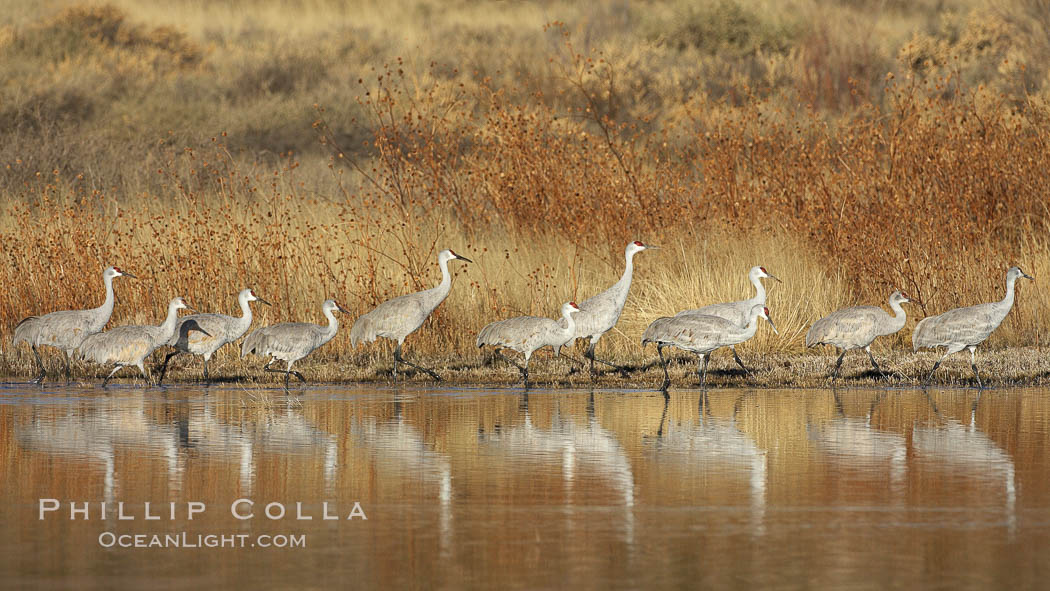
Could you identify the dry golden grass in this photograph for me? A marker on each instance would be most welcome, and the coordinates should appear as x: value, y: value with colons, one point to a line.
x: 308, y: 156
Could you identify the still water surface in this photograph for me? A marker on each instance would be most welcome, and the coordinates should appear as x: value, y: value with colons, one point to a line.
x: 466, y: 488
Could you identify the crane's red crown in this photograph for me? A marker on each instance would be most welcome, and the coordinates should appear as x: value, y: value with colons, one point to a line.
x: 637, y: 243
x: 763, y: 269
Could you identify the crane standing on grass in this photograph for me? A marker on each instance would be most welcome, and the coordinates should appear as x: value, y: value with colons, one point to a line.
x: 221, y: 329
x: 600, y: 313
x: 701, y: 334
x: 291, y: 341
x: 528, y: 334
x: 738, y: 312
x: 965, y: 328
x: 67, y: 329
x: 131, y: 345
x: 857, y: 327
x: 397, y: 318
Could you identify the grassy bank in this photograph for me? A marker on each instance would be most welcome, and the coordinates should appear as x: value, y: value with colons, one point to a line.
x: 999, y: 369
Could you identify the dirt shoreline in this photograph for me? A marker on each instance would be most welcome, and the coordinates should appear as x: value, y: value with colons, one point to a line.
x: 1004, y: 368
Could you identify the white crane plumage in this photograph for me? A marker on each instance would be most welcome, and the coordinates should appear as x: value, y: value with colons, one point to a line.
x: 857, y: 327
x: 131, y: 345
x: 965, y: 328
x: 598, y: 314
x: 397, y: 318
x: 738, y: 312
x: 67, y: 329
x: 528, y: 334
x: 291, y: 341
x: 220, y: 329
x: 701, y: 334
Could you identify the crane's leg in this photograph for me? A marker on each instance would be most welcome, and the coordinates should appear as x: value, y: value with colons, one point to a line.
x: 206, y: 369
x: 69, y: 370
x: 575, y: 360
x: 286, y: 372
x: 935, y: 366
x: 663, y: 363
x: 873, y: 364
x: 838, y: 364
x: 740, y: 363
x: 39, y: 379
x: 703, y: 372
x: 295, y: 373
x: 145, y: 374
x: 973, y: 366
x: 106, y: 381
x: 164, y: 366
x: 523, y: 370
x: 589, y: 354
x: 399, y: 358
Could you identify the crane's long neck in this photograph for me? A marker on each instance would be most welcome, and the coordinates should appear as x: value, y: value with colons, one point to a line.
x: 445, y: 286
x: 106, y: 309
x: 246, y: 314
x: 899, y: 317
x: 624, y: 284
x: 570, y: 324
x: 749, y: 331
x: 167, y: 328
x: 333, y: 324
x: 760, y: 291
x: 1008, y: 301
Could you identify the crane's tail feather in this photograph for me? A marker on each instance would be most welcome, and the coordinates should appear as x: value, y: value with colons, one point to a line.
x: 23, y: 330
x: 362, y: 331
x: 251, y: 344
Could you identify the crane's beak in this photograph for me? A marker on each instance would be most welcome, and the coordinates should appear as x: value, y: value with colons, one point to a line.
x: 1023, y: 274
x: 341, y: 309
x: 653, y: 247
x: 463, y: 258
x: 126, y: 274
x: 770, y: 320
x: 774, y: 277
x: 262, y: 301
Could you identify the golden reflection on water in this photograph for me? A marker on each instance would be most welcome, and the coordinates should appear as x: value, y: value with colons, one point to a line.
x: 555, y: 488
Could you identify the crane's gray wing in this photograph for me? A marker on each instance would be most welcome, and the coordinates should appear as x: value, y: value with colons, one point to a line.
x: 692, y: 333
x: 124, y: 344
x: 393, y: 319
x: 597, y: 315
x: 958, y: 328
x: 732, y: 311
x: 284, y: 340
x: 846, y: 328
x: 523, y: 333
x: 65, y: 329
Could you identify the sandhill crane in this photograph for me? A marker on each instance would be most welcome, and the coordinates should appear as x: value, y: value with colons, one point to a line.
x: 221, y: 328
x: 397, y: 318
x: 291, y: 341
x: 738, y: 312
x: 857, y: 327
x: 701, y: 334
x: 67, y: 329
x: 600, y: 313
x: 965, y: 328
x: 130, y: 345
x: 528, y: 334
